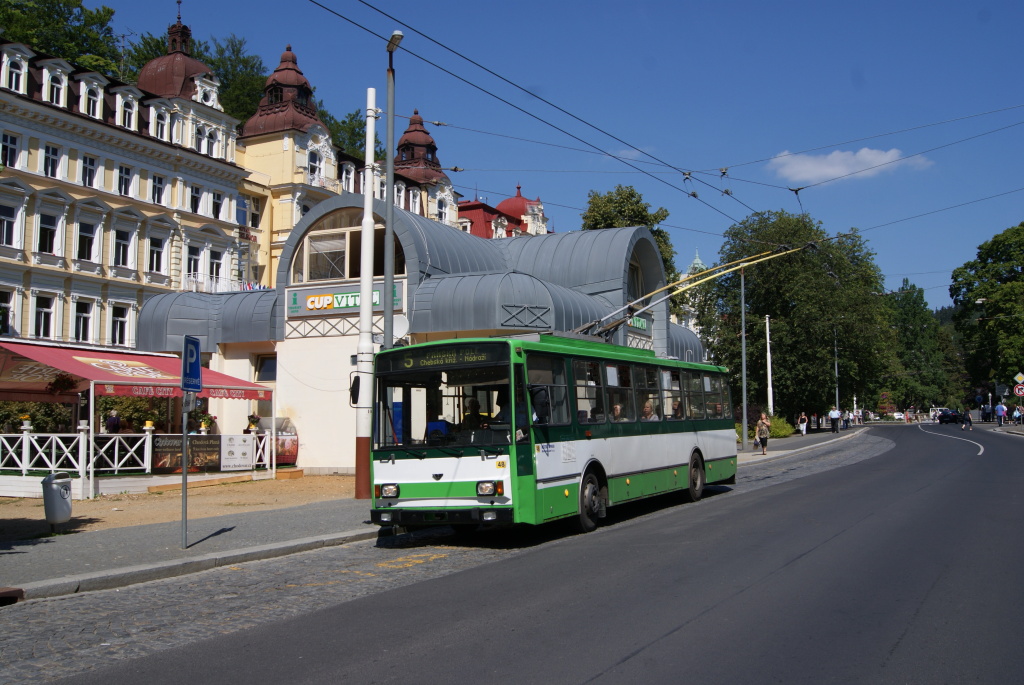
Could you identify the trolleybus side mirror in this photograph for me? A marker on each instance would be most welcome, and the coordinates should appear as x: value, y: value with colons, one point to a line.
x: 353, y: 389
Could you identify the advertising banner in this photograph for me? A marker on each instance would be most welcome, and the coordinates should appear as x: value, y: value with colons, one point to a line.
x: 204, y: 453
x: 236, y: 452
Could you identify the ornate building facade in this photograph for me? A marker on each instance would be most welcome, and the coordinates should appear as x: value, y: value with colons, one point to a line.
x: 111, y: 193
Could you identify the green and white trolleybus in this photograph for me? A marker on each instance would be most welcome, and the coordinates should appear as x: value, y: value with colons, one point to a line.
x: 501, y: 431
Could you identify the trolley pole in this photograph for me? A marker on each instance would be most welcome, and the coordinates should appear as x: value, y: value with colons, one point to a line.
x: 364, y: 350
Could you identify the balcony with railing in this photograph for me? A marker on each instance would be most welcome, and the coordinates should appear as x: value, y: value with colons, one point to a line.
x: 321, y: 181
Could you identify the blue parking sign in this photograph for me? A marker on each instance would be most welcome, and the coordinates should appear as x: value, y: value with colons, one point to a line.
x: 191, y: 365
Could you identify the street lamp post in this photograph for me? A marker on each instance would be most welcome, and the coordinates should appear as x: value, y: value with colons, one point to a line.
x: 389, y: 198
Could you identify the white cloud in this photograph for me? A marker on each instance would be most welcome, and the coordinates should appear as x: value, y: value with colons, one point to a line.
x: 805, y: 168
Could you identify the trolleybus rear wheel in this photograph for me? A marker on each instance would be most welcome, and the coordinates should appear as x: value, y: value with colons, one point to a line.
x: 590, y: 502
x: 696, y: 469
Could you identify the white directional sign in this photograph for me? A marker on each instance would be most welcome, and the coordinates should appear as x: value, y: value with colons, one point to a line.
x: 191, y: 365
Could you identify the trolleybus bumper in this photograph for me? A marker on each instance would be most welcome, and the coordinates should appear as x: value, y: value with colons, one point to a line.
x: 441, y: 517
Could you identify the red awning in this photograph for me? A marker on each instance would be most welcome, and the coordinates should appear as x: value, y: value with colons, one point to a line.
x: 32, y: 367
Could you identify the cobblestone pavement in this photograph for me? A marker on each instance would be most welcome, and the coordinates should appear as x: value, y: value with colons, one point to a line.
x: 48, y: 639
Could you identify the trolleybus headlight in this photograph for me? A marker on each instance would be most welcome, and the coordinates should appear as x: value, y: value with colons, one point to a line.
x: 486, y: 488
x: 387, y: 490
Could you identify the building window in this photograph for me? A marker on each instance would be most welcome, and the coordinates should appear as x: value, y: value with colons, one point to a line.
x: 442, y: 211
x: 51, y: 161
x: 157, y: 189
x: 216, y: 259
x: 399, y: 194
x: 6, y: 315
x: 200, y: 136
x: 47, y: 233
x: 14, y: 75
x: 348, y: 174
x: 118, y: 325
x: 414, y: 201
x: 274, y: 95
x: 92, y: 102
x: 217, y: 200
x: 161, y: 126
x: 44, y: 317
x: 88, y: 171
x: 7, y: 215
x: 193, y: 261
x: 247, y: 211
x: 9, y: 150
x: 122, y: 245
x: 315, y: 168
x: 124, y: 180
x: 128, y: 114
x: 156, y: 255
x: 86, y: 241
x: 83, y: 320
x: 196, y: 199
x: 211, y: 143
x: 56, y: 95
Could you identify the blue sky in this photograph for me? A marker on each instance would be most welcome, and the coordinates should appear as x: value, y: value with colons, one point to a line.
x: 915, y: 104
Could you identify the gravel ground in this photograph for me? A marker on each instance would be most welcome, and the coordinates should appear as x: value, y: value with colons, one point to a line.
x: 23, y: 518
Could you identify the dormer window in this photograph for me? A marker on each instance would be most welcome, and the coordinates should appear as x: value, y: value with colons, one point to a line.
x: 92, y: 102
x: 160, y: 126
x: 128, y: 113
x: 14, y: 75
x: 56, y: 91
x: 274, y: 95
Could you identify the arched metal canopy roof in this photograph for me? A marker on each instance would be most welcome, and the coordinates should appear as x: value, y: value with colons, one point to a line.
x: 455, y: 282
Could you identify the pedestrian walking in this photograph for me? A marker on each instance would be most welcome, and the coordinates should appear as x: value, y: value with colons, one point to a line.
x: 968, y: 424
x: 802, y: 423
x: 833, y: 417
x: 1000, y: 414
x: 763, y: 431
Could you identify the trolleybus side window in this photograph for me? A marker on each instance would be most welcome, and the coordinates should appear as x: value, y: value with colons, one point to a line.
x: 549, y: 391
x: 647, y: 396
x: 620, y: 392
x: 694, y: 395
x: 713, y: 396
x: 673, y: 395
x: 589, y: 392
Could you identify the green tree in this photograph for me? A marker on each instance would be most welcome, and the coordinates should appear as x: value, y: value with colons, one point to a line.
x: 624, y: 206
x: 988, y: 294
x: 820, y: 309
x: 349, y: 133
x: 242, y: 76
x: 930, y: 371
x: 64, y: 28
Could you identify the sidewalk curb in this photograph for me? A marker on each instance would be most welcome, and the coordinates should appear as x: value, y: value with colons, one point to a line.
x: 130, y: 575
x: 771, y: 457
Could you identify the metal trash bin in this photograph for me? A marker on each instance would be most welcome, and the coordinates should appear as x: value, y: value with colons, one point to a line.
x: 57, y: 497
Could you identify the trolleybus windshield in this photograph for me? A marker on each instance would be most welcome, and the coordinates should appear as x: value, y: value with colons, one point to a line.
x: 443, y: 398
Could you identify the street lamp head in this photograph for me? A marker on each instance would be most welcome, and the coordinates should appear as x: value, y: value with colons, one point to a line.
x: 396, y: 38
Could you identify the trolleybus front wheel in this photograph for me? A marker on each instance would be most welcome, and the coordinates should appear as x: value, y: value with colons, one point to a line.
x: 590, y: 502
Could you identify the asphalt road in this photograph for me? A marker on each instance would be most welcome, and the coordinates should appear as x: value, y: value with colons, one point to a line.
x: 889, y: 558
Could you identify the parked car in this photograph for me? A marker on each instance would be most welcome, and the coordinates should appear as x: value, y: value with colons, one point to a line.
x: 950, y: 416
x: 898, y: 415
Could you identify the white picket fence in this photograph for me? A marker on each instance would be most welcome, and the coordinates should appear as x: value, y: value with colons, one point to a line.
x: 122, y: 462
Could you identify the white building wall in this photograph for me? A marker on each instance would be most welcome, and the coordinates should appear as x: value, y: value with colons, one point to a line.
x: 312, y: 383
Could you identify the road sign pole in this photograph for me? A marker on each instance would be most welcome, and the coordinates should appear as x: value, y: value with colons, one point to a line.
x: 191, y: 384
